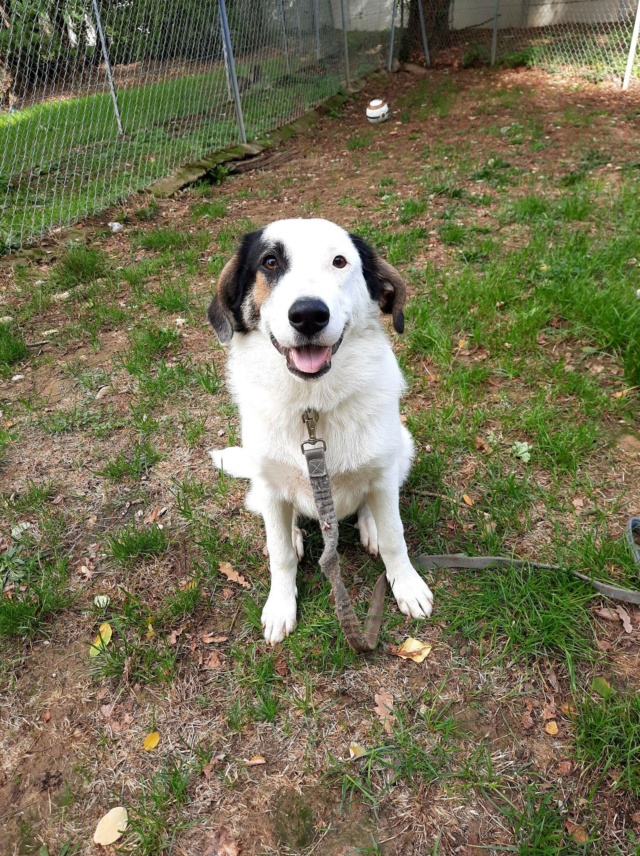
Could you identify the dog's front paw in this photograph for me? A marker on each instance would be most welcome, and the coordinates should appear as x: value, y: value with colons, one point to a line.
x: 413, y: 595
x: 278, y: 617
x: 233, y: 461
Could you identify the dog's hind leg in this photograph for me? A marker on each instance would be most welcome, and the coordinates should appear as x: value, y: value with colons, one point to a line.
x: 233, y: 461
x: 368, y: 529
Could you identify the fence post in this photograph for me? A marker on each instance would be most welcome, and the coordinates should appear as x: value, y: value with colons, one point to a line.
x: 423, y: 30
x: 391, y: 37
x: 226, y: 40
x: 632, y: 49
x: 494, y: 37
x: 316, y: 20
x: 346, y: 44
x: 107, y: 65
x: 284, y: 35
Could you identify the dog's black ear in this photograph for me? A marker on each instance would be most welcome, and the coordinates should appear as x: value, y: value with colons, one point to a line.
x: 384, y: 283
x: 219, y: 312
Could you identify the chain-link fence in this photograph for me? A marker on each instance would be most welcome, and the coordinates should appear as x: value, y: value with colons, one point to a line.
x: 594, y: 39
x: 99, y: 98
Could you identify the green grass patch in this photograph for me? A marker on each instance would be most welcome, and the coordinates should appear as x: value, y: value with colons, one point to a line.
x: 132, y: 464
x: 131, y: 543
x: 13, y: 348
x: 32, y: 590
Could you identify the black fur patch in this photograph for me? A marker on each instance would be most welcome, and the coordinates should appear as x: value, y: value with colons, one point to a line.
x: 384, y: 283
x: 251, y: 253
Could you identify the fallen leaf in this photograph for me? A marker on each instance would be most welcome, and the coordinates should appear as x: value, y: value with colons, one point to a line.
x: 227, y: 570
x: 604, y: 645
x: 576, y: 832
x: 568, y: 709
x: 635, y: 817
x: 413, y: 649
x: 624, y: 618
x: 222, y: 844
x: 102, y: 639
x: 549, y: 711
x: 467, y: 499
x: 577, y: 502
x: 526, y: 721
x: 383, y: 708
x: 101, y: 601
x: 256, y: 761
x: 563, y: 768
x: 602, y: 687
x: 208, y: 638
x: 482, y: 445
x: 172, y: 638
x: 151, y: 741
x: 356, y: 751
x: 551, y: 727
x: 46, y: 716
x: 608, y: 614
x: 111, y: 826
x: 213, y: 661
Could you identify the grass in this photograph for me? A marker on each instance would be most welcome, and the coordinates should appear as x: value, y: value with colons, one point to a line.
x: 520, y: 354
x: 12, y: 348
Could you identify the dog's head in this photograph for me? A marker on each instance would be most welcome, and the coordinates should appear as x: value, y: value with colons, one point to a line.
x: 304, y: 283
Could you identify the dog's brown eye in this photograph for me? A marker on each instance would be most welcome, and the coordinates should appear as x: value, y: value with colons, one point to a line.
x: 270, y: 262
x: 339, y: 262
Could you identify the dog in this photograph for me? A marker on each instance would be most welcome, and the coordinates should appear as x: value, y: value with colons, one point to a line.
x: 299, y: 306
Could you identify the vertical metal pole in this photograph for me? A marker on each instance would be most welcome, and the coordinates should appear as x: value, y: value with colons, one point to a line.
x: 346, y: 44
x: 316, y: 20
x: 226, y: 39
x: 226, y: 72
x: 284, y: 35
x: 107, y: 65
x: 494, y: 37
x: 423, y: 30
x: 393, y: 32
x: 632, y: 49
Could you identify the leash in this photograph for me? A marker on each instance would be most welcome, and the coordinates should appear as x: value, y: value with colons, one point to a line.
x: 313, y: 450
x: 478, y: 563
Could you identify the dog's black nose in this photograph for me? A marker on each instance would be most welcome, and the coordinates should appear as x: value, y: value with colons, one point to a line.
x: 309, y: 315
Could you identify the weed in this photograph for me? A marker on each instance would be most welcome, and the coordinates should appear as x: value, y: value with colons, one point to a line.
x: 411, y: 208
x: 12, y: 348
x: 156, y: 815
x: 174, y: 297
x: 34, y: 588
x: 79, y: 265
x: 607, y: 736
x: 132, y: 464
x: 214, y: 210
x: 359, y: 141
x: 132, y: 543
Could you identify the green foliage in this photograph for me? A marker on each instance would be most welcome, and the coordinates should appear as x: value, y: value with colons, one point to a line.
x: 12, y: 348
x: 607, y: 735
x: 35, y: 589
x: 132, y: 543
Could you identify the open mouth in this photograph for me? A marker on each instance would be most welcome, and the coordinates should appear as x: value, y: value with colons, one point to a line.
x: 307, y: 361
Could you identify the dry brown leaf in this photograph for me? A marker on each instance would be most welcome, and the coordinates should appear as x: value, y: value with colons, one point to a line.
x: 482, y: 445
x: 256, y: 761
x: 526, y: 721
x: 46, y: 716
x: 467, y: 500
x: 213, y: 661
x: 383, y: 708
x: 222, y: 844
x: 624, y: 618
x: 604, y: 645
x: 563, y: 768
x: 608, y: 614
x: 549, y: 710
x: 635, y: 817
x: 568, y: 709
x: 172, y: 638
x: 551, y: 728
x: 151, y: 741
x: 413, y: 649
x: 356, y: 751
x: 576, y: 832
x: 111, y: 826
x: 227, y: 570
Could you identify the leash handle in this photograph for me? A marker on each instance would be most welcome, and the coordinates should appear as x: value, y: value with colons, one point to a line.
x: 477, y: 563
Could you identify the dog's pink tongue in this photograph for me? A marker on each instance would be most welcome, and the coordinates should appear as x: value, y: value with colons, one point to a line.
x: 310, y: 359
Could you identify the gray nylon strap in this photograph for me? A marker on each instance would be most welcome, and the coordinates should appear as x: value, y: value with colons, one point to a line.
x: 478, y: 563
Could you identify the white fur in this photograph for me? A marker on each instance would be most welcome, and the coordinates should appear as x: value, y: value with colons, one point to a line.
x: 369, y: 451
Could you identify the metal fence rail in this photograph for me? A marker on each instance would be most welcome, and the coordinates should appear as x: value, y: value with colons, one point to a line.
x: 99, y: 98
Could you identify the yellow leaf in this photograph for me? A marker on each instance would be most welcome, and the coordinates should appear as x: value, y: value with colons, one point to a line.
x: 356, y: 751
x: 467, y: 499
x: 551, y: 727
x: 111, y: 826
x: 150, y: 631
x: 191, y: 585
x: 256, y: 761
x: 102, y: 639
x: 151, y: 741
x: 413, y: 649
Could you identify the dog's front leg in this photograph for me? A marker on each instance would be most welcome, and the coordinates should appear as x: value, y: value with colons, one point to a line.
x: 413, y: 595
x: 279, y: 613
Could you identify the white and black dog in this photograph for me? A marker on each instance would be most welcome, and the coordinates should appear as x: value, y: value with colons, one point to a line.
x: 299, y: 303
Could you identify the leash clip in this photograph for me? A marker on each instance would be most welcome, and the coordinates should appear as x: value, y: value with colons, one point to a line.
x: 310, y: 418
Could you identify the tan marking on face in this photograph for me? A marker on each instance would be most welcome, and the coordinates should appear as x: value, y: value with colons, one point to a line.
x: 261, y: 290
